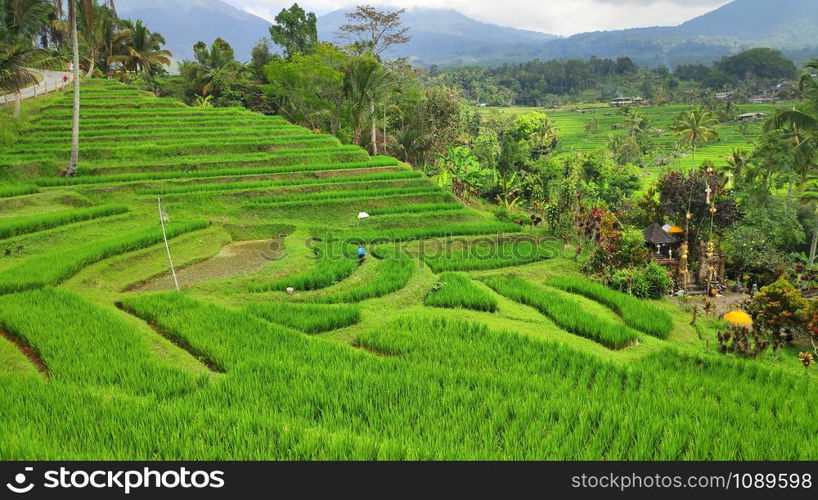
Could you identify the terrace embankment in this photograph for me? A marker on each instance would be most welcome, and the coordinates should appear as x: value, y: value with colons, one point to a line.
x: 27, y: 351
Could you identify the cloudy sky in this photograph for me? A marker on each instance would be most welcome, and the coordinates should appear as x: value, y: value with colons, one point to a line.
x: 561, y: 17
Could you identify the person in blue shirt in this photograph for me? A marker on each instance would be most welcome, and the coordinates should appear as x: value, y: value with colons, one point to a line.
x: 361, y: 254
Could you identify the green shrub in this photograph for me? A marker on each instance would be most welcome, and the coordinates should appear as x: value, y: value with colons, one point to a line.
x: 504, y: 214
x: 647, y: 282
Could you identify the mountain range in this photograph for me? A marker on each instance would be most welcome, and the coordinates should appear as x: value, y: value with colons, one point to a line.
x: 447, y: 37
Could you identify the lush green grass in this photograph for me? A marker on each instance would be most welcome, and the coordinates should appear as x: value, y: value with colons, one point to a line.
x: 637, y: 313
x: 308, y: 318
x: 455, y: 290
x: 571, y: 129
x: 400, y: 210
x: 20, y: 225
x: 262, y: 185
x: 490, y: 254
x: 438, y: 231
x: 565, y: 312
x: 82, y: 343
x: 363, y: 193
x: 333, y: 263
x: 403, y: 373
x: 8, y: 191
x: 204, y: 174
x: 51, y: 269
x: 392, y: 276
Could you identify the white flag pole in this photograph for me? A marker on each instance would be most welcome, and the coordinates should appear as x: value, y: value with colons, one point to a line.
x: 167, y: 247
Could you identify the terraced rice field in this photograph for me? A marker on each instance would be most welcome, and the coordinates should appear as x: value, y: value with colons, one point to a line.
x: 429, y: 349
x: 571, y: 129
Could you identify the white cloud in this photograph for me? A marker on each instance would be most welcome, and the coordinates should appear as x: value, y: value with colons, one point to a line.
x: 561, y: 17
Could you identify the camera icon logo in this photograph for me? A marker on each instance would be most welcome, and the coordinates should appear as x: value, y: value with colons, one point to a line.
x: 19, y: 485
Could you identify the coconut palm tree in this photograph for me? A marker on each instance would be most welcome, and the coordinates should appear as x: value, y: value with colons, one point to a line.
x: 696, y: 128
x: 95, y: 22
x: 20, y: 22
x: 365, y: 82
x: 801, y: 122
x: 213, y: 68
x: 801, y: 125
x: 138, y: 49
x: 75, y: 121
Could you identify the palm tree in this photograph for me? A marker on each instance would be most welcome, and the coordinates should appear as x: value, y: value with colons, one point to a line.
x: 696, y: 128
x: 95, y: 23
x: 138, y: 49
x: 213, y: 67
x: 20, y: 22
x: 365, y: 81
x: 634, y: 121
x: 75, y: 122
x: 801, y: 125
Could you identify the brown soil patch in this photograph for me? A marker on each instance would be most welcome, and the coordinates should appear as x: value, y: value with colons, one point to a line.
x: 236, y: 259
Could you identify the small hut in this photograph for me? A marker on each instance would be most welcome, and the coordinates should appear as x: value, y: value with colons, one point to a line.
x: 662, y: 244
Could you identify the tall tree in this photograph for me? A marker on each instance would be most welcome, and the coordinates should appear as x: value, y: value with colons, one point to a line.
x: 365, y: 82
x: 215, y: 68
x: 20, y: 21
x: 75, y: 120
x: 372, y: 30
x: 804, y: 120
x: 93, y: 21
x: 139, y: 49
x: 696, y: 128
x: 295, y: 30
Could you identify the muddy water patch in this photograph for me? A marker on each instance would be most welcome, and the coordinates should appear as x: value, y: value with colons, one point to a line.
x: 235, y: 259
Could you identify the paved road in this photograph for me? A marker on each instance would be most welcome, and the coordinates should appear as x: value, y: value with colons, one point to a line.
x: 52, y: 80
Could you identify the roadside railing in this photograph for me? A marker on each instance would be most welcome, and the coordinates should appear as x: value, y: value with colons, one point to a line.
x: 44, y: 87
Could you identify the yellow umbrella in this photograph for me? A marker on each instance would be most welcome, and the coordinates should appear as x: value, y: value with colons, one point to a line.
x: 739, y: 318
x: 675, y: 230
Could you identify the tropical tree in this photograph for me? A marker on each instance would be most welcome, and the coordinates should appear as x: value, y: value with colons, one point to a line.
x: 365, y: 82
x: 139, y: 49
x: 372, y: 31
x: 309, y: 89
x: 75, y: 120
x: 508, y: 171
x: 696, y: 128
x: 96, y: 24
x: 801, y: 125
x: 635, y: 121
x: 20, y: 21
x: 295, y: 30
x: 216, y: 68
x: 460, y: 170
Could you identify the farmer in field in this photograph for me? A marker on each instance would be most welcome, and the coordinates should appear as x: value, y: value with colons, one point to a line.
x: 361, y: 254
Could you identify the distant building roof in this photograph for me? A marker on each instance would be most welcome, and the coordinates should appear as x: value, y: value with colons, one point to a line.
x: 658, y: 236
